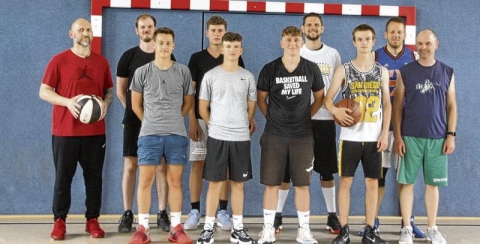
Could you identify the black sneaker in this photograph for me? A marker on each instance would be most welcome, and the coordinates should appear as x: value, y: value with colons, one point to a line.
x: 207, y: 236
x: 343, y: 237
x: 241, y: 236
x: 277, y: 223
x: 333, y: 225
x: 163, y: 221
x: 126, y: 222
x: 371, y: 236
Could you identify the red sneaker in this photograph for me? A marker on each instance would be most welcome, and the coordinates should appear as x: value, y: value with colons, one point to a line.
x: 59, y: 230
x: 141, y: 236
x: 94, y: 229
x: 177, y: 235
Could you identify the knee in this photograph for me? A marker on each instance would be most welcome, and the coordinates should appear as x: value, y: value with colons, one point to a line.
x: 131, y: 166
x: 145, y: 181
x: 371, y: 183
x: 174, y: 182
x: 236, y: 186
x: 345, y: 182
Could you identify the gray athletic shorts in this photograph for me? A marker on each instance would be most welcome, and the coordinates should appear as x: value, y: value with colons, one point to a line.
x: 198, y: 149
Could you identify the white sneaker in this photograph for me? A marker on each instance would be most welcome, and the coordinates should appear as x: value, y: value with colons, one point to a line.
x: 435, y: 236
x: 406, y: 235
x: 305, y: 236
x: 267, y: 236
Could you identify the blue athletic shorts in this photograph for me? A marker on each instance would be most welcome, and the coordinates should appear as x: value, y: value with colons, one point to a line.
x: 152, y: 148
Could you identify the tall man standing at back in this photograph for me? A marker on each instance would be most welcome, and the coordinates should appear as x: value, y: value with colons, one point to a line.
x: 392, y: 56
x: 133, y: 58
x: 199, y: 64
x: 324, y: 131
x: 425, y: 120
x: 70, y: 74
x: 287, y: 141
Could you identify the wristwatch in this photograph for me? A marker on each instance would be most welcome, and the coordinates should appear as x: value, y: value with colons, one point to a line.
x: 453, y: 133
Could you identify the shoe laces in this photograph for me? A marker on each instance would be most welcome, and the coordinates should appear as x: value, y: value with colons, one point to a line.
x: 242, y: 232
x: 408, y: 231
x: 192, y: 213
x: 268, y: 233
x: 207, y: 234
x: 437, y: 235
x: 223, y: 216
x: 125, y: 216
x: 306, y: 233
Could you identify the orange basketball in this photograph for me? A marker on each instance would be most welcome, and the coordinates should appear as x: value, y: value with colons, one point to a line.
x: 353, y: 106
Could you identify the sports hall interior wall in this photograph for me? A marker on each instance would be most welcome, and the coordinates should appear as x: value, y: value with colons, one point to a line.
x: 33, y: 32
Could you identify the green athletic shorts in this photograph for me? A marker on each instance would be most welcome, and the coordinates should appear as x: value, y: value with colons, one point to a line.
x: 427, y: 153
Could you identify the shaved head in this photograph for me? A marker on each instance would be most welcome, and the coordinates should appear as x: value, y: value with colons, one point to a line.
x: 78, y: 22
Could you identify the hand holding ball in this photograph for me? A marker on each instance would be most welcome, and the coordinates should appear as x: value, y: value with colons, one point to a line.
x: 91, y: 109
x: 355, y: 109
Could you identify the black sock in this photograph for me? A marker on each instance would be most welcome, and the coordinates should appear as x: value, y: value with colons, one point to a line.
x: 196, y: 205
x: 223, y: 204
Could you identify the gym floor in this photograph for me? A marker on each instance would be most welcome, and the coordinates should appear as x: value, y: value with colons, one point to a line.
x: 37, y: 228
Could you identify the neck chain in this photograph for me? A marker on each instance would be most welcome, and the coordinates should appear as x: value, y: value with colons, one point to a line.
x: 79, y: 54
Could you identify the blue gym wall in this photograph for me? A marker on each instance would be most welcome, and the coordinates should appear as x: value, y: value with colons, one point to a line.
x: 32, y: 32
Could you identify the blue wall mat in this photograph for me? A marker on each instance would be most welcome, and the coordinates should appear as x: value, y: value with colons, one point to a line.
x: 33, y: 33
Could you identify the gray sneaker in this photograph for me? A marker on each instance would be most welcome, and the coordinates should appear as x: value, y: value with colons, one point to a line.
x: 406, y: 235
x: 223, y: 220
x: 435, y: 236
x: 193, y: 220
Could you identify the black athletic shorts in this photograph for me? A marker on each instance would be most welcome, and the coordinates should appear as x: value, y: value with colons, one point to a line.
x: 130, y: 138
x: 324, y: 133
x: 352, y: 152
x: 233, y: 156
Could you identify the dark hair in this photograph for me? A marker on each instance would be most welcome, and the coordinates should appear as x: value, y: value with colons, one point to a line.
x: 363, y: 27
x: 395, y: 20
x: 164, y: 30
x: 216, y: 20
x: 312, y: 14
x: 232, y: 37
x: 145, y: 16
x: 291, y: 31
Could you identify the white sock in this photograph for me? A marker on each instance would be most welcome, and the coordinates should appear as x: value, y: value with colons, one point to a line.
x: 268, y: 217
x: 237, y: 222
x: 329, y: 195
x: 175, y: 218
x: 143, y: 220
x: 282, y: 197
x: 209, y: 222
x: 303, y: 218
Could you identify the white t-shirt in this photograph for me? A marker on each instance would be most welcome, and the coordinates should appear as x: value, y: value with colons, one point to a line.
x: 327, y: 59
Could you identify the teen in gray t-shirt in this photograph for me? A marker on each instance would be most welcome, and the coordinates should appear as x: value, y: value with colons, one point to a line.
x: 228, y: 93
x: 163, y: 92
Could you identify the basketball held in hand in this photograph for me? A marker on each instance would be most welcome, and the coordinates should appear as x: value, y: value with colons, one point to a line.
x: 354, y: 106
x: 91, y: 109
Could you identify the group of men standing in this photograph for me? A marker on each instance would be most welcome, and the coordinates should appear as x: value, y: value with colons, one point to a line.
x: 295, y: 93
